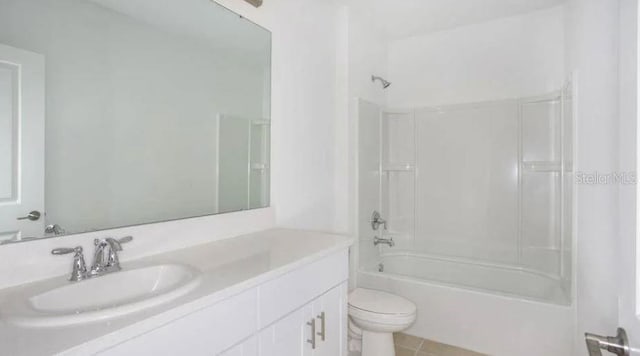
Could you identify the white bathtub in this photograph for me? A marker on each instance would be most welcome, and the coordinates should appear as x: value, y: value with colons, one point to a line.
x: 497, y: 311
x: 506, y: 280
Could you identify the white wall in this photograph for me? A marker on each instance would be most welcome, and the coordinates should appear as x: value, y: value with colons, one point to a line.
x: 368, y: 54
x: 506, y: 58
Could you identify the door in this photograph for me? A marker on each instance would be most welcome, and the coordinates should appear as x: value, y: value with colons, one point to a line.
x: 21, y: 144
x: 623, y: 308
x: 629, y: 255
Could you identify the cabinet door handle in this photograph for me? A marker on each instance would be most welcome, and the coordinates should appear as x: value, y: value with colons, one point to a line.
x: 312, y: 341
x: 322, y: 332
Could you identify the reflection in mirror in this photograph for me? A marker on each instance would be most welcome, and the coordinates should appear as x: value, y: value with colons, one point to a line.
x: 155, y: 110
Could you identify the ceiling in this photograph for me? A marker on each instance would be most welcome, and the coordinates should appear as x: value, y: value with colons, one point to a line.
x: 404, y: 18
x: 196, y: 19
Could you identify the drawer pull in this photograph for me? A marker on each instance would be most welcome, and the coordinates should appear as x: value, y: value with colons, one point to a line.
x: 312, y: 341
x: 322, y: 332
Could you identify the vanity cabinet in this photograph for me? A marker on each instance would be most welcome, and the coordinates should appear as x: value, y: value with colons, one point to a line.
x: 274, y: 318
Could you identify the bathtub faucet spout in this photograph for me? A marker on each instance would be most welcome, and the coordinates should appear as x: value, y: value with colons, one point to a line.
x: 377, y: 240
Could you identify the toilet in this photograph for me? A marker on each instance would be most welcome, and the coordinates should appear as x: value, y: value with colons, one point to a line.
x: 374, y: 316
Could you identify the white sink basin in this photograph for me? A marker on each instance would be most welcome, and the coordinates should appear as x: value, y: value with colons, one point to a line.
x: 105, y: 297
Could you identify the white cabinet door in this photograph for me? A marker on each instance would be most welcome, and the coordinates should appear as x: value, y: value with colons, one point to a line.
x: 21, y: 143
x: 288, y: 336
x: 332, y: 308
x: 292, y: 335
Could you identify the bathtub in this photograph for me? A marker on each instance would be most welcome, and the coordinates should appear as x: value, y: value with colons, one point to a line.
x: 486, y: 308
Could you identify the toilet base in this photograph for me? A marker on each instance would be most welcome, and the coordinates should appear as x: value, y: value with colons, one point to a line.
x: 377, y: 344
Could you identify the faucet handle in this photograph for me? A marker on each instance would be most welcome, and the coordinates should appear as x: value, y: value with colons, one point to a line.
x: 115, y: 245
x: 124, y: 240
x: 79, y: 269
x: 66, y: 250
x: 113, y: 242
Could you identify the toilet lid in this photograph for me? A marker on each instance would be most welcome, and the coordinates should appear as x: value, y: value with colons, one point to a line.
x: 380, y: 302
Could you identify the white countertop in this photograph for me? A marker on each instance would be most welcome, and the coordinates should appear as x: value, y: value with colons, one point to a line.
x: 228, y: 267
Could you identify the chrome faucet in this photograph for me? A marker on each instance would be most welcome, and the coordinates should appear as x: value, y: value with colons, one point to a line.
x: 54, y: 229
x: 377, y: 240
x: 105, y: 258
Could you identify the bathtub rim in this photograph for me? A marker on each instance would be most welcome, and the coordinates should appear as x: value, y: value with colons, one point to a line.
x: 371, y: 270
x: 468, y: 261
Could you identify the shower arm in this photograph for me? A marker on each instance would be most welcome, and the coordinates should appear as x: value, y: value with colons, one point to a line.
x: 385, y: 83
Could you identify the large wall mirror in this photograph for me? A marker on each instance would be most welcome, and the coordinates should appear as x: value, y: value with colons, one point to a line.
x: 117, y: 112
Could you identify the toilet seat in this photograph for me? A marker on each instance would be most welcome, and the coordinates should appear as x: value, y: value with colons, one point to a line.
x: 381, y: 319
x: 380, y: 307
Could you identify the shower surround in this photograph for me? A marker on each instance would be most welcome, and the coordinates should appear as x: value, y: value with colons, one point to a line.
x: 478, y: 200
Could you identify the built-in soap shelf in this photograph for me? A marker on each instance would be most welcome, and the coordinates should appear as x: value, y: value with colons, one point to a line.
x: 398, y: 167
x: 259, y: 166
x: 541, y: 166
x: 260, y: 122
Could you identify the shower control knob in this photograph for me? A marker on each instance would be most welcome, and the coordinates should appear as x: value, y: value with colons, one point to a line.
x: 377, y: 220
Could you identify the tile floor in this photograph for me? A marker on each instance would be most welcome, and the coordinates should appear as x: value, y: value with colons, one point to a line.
x: 407, y: 345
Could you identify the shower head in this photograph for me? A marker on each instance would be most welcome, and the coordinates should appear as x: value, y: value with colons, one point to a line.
x: 385, y: 83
